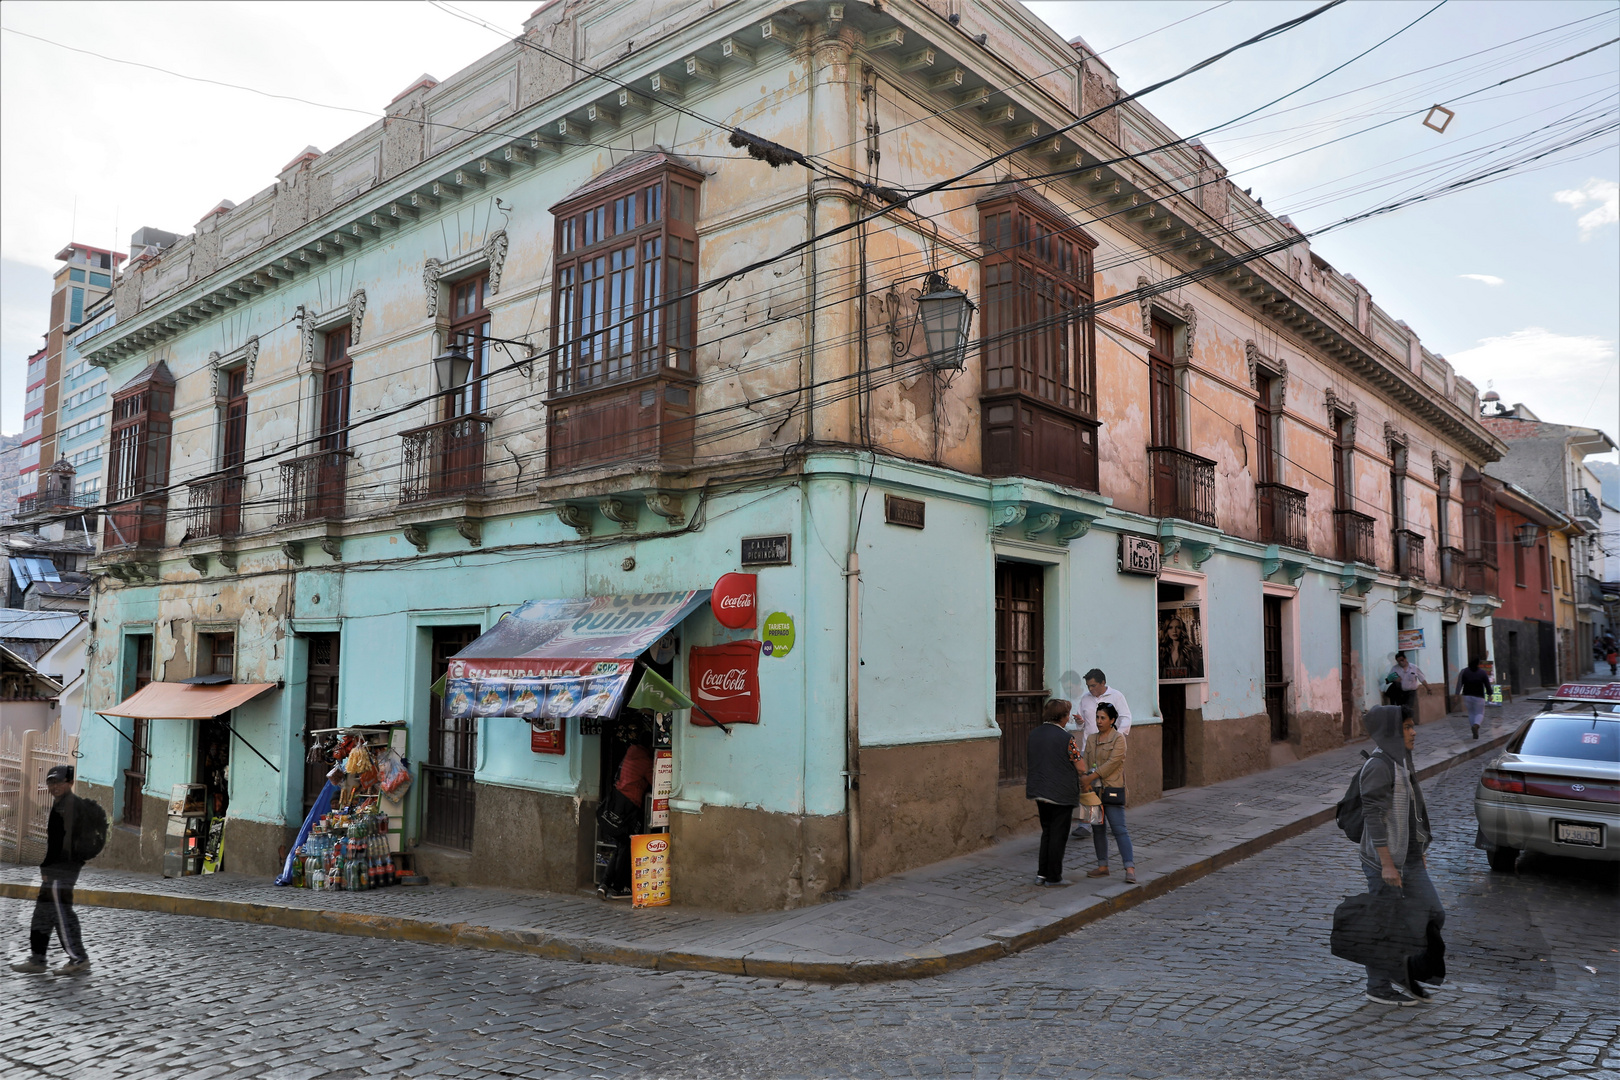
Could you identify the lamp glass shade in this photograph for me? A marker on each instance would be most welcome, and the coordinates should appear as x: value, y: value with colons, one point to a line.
x: 944, y: 314
x: 452, y: 368
x: 1527, y: 535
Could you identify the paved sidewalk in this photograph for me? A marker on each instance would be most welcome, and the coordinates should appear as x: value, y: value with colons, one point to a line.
x: 920, y: 923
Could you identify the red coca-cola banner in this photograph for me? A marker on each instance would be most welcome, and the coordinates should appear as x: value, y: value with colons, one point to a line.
x: 725, y: 681
x: 735, y: 600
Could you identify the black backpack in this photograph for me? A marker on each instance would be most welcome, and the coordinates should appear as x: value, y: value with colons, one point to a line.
x: 89, y: 829
x: 1347, y: 814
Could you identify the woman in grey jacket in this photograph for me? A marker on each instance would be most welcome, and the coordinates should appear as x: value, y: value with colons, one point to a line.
x: 1395, y: 836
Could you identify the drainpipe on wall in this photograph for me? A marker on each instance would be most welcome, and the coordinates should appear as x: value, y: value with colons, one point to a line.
x: 852, y: 719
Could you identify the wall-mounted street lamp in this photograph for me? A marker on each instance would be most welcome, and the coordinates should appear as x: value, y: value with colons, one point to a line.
x: 453, y: 367
x: 946, y: 314
x: 1526, y: 535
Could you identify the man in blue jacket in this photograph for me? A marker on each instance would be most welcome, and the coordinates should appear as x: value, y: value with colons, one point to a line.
x: 53, y: 907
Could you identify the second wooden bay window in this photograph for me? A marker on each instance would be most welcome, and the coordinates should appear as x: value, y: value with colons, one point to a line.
x: 1038, y: 345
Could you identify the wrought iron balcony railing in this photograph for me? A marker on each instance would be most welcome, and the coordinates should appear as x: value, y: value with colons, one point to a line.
x: 1353, y: 535
x: 1282, y: 516
x: 1585, y: 505
x: 313, y: 486
x: 1451, y: 568
x: 1183, y: 485
x: 1408, y: 547
x: 444, y: 460
x: 215, y: 507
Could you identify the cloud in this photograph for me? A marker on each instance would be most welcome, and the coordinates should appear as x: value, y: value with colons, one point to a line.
x: 1603, y: 195
x: 1488, y: 279
x: 1564, y: 378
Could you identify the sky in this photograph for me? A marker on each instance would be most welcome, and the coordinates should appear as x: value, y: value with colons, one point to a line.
x: 1514, y: 282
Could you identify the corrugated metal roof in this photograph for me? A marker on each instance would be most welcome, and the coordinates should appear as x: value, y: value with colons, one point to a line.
x: 17, y: 624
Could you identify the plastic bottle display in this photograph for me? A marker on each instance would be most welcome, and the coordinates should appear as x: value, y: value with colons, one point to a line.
x: 347, y: 850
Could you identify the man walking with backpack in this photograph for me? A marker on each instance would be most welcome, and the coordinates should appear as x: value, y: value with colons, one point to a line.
x: 1394, y: 837
x: 75, y: 833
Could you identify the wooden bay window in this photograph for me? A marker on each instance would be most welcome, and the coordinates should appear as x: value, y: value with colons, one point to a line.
x: 1038, y: 347
x: 623, y: 317
x: 138, y: 462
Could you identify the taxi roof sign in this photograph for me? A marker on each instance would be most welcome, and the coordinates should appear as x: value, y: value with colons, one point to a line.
x: 1593, y: 692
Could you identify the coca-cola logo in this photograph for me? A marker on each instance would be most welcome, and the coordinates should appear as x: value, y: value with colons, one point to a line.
x: 735, y: 680
x: 725, y: 683
x: 733, y: 600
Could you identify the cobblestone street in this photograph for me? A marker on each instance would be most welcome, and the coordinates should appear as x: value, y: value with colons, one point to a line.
x: 1227, y: 977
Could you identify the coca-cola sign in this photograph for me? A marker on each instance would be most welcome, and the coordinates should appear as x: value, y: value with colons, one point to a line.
x: 725, y: 682
x: 734, y: 600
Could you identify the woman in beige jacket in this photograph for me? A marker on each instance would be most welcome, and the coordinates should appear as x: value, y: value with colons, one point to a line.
x: 1105, y: 755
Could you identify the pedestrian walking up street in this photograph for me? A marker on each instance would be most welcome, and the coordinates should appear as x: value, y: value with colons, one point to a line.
x: 1053, y: 781
x: 1105, y: 751
x: 74, y: 834
x: 1474, y: 684
x: 1405, y: 679
x: 1394, y: 841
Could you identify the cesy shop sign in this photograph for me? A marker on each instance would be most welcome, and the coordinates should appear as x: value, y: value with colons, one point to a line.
x: 725, y: 682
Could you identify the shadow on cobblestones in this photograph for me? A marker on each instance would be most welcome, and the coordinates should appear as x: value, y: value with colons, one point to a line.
x: 1228, y: 977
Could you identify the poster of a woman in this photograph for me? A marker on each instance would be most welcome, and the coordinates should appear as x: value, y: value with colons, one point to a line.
x: 1181, y: 642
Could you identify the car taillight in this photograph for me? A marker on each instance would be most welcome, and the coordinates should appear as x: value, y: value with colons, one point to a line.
x: 1563, y: 787
x: 1496, y: 780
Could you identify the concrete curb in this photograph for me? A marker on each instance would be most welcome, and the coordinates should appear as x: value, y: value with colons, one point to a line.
x: 914, y: 964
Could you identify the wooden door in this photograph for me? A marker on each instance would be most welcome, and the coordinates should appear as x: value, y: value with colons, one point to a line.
x: 1276, y: 685
x: 320, y: 708
x: 1447, y: 664
x: 1173, y: 712
x: 234, y: 453
x: 452, y: 754
x: 1476, y: 644
x: 1347, y: 674
x: 1020, y: 662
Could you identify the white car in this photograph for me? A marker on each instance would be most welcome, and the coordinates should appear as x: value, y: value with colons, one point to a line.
x: 1554, y: 789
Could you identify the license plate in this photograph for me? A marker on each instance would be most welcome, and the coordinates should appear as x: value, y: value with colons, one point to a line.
x: 1584, y: 835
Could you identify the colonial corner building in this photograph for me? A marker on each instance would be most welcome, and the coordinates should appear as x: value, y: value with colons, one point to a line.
x: 1228, y: 479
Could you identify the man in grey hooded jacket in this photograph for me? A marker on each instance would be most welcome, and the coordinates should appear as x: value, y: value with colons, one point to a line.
x: 1395, y: 836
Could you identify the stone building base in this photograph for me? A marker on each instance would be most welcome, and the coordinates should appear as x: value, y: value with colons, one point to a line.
x: 928, y: 801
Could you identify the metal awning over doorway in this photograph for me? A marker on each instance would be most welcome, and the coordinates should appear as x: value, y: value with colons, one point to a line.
x: 188, y: 701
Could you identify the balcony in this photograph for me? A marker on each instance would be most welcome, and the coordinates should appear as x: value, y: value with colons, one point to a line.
x: 1183, y: 485
x: 1408, y: 547
x: 135, y: 523
x: 1353, y: 534
x: 1451, y: 568
x: 1588, y: 590
x: 1282, y: 516
x: 1584, y: 504
x: 25, y: 505
x: 444, y: 460
x: 313, y: 486
x: 1479, y: 576
x: 215, y: 506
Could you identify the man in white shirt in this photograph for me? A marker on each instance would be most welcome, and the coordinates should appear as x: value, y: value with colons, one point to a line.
x: 1084, y: 719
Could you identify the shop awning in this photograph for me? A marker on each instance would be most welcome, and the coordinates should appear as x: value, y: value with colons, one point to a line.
x: 552, y: 659
x: 179, y: 701
x: 585, y: 628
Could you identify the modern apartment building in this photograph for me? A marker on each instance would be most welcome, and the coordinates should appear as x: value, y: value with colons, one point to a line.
x: 84, y: 279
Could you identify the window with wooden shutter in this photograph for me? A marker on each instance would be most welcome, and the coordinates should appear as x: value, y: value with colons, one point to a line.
x: 1037, y: 343
x: 138, y: 463
x: 624, y: 317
